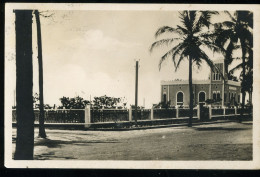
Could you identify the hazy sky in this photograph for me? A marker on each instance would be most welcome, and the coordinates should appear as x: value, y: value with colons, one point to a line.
x: 93, y: 53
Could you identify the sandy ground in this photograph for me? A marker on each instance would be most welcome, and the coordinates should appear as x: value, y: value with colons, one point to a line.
x: 222, y: 141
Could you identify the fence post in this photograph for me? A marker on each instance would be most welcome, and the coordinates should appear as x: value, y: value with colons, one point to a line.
x: 210, y: 112
x: 198, y: 111
x: 87, y: 116
x: 177, y: 111
x: 130, y: 114
x: 152, y: 113
x: 224, y: 111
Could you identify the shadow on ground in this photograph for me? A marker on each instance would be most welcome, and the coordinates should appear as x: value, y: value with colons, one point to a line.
x: 57, y: 143
x: 51, y: 155
x: 220, y: 128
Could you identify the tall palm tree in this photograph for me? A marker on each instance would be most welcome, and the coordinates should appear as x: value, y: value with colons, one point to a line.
x: 190, y: 41
x: 42, y: 132
x: 24, y: 86
x: 237, y: 31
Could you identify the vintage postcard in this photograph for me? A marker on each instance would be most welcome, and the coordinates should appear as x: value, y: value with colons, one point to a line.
x: 132, y: 86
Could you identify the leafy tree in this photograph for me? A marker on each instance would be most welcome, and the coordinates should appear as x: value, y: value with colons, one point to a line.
x: 73, y: 103
x: 190, y: 41
x: 108, y: 102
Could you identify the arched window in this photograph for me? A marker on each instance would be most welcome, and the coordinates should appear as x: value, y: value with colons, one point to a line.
x: 164, y: 98
x: 179, y: 98
x: 218, y: 96
x: 214, y: 96
x: 202, y: 97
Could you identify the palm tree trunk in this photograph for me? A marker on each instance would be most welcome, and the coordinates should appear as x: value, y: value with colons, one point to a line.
x: 250, y: 96
x: 243, y: 83
x: 42, y: 132
x: 191, y: 93
x: 24, y: 86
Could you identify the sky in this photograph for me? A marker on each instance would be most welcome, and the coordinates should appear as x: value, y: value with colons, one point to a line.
x: 91, y: 53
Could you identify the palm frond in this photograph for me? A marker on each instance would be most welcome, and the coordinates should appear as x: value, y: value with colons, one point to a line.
x: 182, y: 56
x: 185, y: 19
x: 204, y: 19
x: 231, y: 16
x: 166, y: 29
x: 161, y: 42
x: 229, y: 51
x: 228, y: 24
x: 183, y: 30
x: 179, y: 52
x: 212, y: 46
x: 239, y: 66
x: 172, y: 52
x: 246, y: 17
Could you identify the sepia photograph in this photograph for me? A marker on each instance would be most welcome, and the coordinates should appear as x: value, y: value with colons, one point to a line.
x: 132, y: 86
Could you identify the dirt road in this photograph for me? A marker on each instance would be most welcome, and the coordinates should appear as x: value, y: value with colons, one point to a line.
x: 222, y: 141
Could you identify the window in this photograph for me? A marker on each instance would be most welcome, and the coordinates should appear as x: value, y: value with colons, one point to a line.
x: 238, y: 98
x: 179, y: 98
x: 225, y: 97
x: 164, y: 98
x: 229, y: 98
x: 218, y: 95
x: 214, y: 96
x: 216, y: 76
x: 235, y: 96
x: 202, y: 97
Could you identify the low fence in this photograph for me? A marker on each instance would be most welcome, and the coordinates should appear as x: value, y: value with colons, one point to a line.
x: 109, y: 115
x: 89, y: 116
x: 58, y: 116
x: 164, y: 113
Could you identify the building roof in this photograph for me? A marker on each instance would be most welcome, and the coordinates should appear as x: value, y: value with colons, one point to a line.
x: 183, y: 82
x: 176, y: 82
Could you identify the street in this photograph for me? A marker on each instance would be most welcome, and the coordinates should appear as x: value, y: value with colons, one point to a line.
x: 220, y: 141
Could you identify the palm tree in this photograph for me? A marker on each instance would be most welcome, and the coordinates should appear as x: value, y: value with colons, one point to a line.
x: 237, y: 30
x: 247, y: 81
x: 190, y: 41
x: 42, y: 132
x: 24, y: 86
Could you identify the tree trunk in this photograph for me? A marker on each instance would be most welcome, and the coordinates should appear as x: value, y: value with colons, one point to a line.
x: 243, y: 83
x: 250, y: 97
x: 191, y: 93
x: 24, y: 86
x: 42, y: 132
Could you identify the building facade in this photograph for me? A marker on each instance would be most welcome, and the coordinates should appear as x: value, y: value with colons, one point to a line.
x: 222, y: 92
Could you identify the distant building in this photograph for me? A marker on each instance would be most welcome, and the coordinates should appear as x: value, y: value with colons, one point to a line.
x: 223, y: 93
